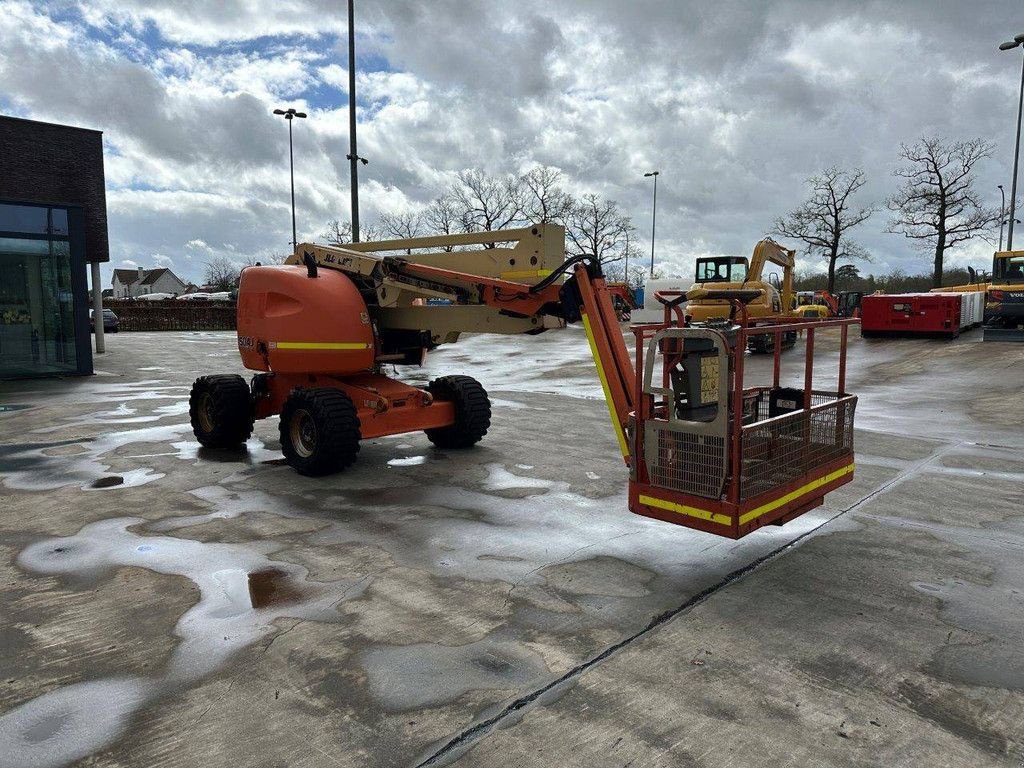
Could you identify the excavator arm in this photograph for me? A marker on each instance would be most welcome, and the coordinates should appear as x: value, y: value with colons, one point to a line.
x: 768, y: 251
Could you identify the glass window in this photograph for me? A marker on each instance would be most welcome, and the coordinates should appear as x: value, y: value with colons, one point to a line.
x: 28, y: 219
x: 721, y: 270
x: 37, y: 329
x: 1011, y: 269
x: 59, y: 221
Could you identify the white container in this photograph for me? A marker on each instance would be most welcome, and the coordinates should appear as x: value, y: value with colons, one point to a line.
x: 977, y: 307
x: 653, y: 311
x: 972, y: 307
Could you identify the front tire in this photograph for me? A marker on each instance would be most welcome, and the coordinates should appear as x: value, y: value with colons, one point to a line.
x: 472, y: 412
x: 319, y: 431
x: 220, y: 408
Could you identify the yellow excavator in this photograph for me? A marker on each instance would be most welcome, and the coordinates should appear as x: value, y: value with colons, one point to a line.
x: 1004, y: 299
x: 1004, y: 295
x: 777, y: 298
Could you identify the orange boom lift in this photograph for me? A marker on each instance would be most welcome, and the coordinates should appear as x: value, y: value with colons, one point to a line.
x: 702, y: 449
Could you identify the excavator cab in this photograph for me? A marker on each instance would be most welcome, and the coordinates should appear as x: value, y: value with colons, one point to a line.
x: 777, y: 297
x: 721, y: 269
x: 848, y: 303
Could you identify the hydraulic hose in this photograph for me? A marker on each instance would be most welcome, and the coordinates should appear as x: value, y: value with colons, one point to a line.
x: 563, y: 268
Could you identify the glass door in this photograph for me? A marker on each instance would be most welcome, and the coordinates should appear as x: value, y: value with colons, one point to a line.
x: 37, y: 324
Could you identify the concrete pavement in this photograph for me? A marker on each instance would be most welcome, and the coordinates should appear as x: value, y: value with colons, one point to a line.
x: 162, y: 605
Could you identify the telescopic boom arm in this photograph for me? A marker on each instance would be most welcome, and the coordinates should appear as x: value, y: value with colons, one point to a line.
x: 483, y: 291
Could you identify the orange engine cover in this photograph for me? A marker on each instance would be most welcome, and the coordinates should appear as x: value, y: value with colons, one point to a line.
x: 289, y: 322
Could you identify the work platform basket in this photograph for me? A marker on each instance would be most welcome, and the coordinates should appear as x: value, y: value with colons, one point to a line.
x: 713, y: 454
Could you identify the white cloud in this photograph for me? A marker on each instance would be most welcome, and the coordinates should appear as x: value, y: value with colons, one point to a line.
x: 736, y: 105
x: 205, y: 23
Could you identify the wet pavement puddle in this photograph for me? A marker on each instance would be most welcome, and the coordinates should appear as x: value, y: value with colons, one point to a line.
x: 411, y: 677
x: 242, y: 593
x: 984, y: 647
x: 272, y: 586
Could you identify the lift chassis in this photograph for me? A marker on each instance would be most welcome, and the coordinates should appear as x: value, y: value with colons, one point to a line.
x: 702, y: 449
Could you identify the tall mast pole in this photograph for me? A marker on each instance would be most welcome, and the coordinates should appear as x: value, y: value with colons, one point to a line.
x: 353, y: 155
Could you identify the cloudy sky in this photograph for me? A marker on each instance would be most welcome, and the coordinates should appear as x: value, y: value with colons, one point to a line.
x: 736, y: 102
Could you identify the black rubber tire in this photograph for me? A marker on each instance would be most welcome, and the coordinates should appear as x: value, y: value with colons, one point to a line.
x: 761, y: 344
x: 472, y: 412
x: 319, y: 431
x: 221, y: 411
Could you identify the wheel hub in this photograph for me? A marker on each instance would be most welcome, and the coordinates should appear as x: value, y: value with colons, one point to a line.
x: 207, y: 420
x: 302, y: 431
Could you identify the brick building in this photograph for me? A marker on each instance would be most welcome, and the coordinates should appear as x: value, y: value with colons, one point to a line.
x: 53, y: 224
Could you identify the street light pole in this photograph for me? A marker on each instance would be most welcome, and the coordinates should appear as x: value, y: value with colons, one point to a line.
x: 353, y: 156
x: 654, y: 214
x: 1017, y: 41
x: 1002, y: 214
x: 289, y: 115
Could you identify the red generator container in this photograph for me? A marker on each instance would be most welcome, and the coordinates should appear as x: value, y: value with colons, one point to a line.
x: 911, y: 314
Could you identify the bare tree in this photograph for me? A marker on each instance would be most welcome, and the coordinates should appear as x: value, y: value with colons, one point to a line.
x: 597, y: 227
x: 937, y: 206
x: 221, y: 273
x: 544, y: 200
x: 487, y: 203
x: 262, y: 259
x: 340, y: 232
x: 822, y: 221
x: 442, y: 217
x: 402, y: 225
x: 637, y: 275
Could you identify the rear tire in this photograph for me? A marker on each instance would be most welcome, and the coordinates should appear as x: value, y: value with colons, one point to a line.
x: 472, y: 412
x: 220, y: 408
x: 319, y: 431
x: 761, y: 344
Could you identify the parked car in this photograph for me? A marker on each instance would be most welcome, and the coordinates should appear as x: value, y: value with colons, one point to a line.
x: 154, y: 296
x: 110, y: 321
